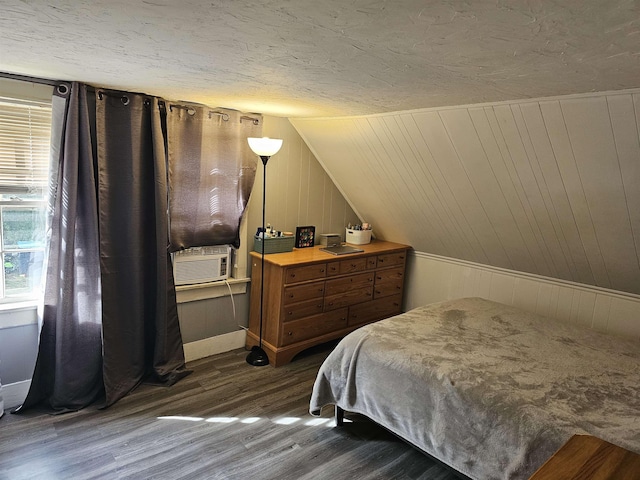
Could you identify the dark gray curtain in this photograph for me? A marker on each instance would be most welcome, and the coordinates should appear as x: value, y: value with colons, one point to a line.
x: 68, y: 371
x: 140, y: 321
x: 211, y: 173
x: 110, y: 317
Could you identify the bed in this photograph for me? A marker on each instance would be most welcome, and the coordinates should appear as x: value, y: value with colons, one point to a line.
x: 488, y: 389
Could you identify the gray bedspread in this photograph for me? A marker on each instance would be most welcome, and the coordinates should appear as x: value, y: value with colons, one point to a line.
x: 488, y: 389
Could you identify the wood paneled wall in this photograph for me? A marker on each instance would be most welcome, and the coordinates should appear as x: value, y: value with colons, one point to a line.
x: 549, y: 187
x: 436, y: 279
x: 299, y: 191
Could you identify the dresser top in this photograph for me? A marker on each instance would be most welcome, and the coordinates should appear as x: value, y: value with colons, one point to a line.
x: 315, y: 255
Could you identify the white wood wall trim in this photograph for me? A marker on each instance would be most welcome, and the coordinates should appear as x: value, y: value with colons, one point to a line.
x: 18, y: 314
x: 203, y: 291
x: 607, y: 93
x: 433, y: 278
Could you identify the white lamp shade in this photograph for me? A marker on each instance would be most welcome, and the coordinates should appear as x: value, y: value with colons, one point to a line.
x: 265, y: 146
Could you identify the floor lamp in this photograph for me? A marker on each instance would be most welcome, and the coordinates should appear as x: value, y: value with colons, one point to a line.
x: 263, y: 147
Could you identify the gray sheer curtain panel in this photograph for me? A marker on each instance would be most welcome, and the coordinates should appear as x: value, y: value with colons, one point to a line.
x: 211, y: 173
x: 68, y: 371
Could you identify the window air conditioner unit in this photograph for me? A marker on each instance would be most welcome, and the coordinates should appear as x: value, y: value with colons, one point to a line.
x: 201, y: 264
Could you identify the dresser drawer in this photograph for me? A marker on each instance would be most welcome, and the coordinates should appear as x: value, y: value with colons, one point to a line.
x: 390, y: 275
x: 385, y: 289
x: 311, y: 327
x: 347, y: 266
x: 302, y: 309
x: 342, y: 285
x: 391, y: 259
x: 372, y: 262
x: 375, y: 310
x: 302, y: 274
x: 350, y: 297
x: 299, y: 293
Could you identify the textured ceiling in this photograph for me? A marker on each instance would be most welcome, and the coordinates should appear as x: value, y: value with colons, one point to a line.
x: 331, y: 57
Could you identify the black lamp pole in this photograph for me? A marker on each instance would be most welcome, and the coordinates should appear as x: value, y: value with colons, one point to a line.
x: 257, y: 356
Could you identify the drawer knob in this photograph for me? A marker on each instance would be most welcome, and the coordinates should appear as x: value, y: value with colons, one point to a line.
x: 290, y: 334
x: 322, y: 270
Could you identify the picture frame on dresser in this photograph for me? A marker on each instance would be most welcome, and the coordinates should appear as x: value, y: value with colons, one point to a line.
x: 305, y: 236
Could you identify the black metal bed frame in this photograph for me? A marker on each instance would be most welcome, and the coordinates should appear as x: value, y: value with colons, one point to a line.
x: 339, y: 418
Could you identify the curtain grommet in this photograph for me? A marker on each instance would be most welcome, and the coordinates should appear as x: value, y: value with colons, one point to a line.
x: 63, y: 89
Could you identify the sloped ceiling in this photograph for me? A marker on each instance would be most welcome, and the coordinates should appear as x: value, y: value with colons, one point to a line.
x: 332, y: 57
x: 550, y: 187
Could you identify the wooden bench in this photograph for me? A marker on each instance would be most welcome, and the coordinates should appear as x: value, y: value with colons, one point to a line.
x: 585, y: 457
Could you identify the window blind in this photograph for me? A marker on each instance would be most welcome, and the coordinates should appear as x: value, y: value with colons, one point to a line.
x: 25, y: 131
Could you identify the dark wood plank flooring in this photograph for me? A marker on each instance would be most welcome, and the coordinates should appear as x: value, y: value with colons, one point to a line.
x: 227, y: 420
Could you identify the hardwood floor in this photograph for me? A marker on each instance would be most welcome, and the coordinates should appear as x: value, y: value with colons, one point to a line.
x: 227, y: 420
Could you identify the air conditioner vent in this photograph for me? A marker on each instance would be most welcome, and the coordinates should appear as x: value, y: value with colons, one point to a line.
x: 201, y: 264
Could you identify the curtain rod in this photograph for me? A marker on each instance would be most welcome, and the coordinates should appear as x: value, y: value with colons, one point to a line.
x: 26, y: 78
x: 254, y: 120
x: 54, y: 83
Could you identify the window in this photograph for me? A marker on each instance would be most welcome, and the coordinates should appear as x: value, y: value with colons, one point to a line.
x: 25, y: 131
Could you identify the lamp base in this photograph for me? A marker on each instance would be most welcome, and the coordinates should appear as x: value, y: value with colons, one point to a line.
x: 257, y: 357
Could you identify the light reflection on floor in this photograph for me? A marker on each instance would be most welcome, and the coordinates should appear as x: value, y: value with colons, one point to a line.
x: 314, y: 422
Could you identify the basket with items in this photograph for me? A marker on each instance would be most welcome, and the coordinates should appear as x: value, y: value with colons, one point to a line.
x: 358, y: 234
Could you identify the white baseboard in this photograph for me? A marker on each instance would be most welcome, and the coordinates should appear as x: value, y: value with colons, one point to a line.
x: 15, y: 393
x: 214, y: 345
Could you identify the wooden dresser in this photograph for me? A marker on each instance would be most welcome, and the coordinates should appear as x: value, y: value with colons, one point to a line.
x: 311, y: 297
